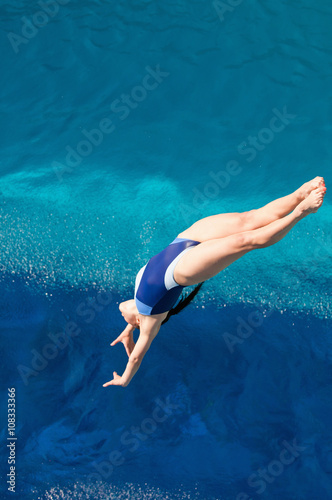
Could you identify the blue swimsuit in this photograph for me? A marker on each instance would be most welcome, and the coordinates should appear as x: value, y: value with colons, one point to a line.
x: 156, y: 291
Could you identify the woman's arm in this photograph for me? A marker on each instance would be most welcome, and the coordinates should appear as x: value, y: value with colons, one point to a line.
x: 142, y: 345
x: 127, y: 339
x: 148, y: 330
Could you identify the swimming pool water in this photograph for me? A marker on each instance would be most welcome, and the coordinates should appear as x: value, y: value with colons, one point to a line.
x: 123, y: 123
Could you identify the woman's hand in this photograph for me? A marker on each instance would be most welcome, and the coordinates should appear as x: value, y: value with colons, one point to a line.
x: 148, y: 331
x: 117, y: 380
x: 126, y: 337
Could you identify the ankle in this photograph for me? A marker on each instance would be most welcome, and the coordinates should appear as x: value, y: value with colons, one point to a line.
x: 299, y: 212
x: 299, y: 194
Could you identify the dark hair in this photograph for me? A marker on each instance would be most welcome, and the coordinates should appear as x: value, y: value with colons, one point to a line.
x: 183, y: 302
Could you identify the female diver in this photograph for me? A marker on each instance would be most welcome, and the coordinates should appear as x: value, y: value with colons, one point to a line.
x: 196, y: 255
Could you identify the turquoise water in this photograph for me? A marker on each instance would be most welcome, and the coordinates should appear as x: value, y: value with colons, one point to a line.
x: 117, y: 119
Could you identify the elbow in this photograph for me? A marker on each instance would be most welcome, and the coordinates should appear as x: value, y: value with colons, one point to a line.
x: 135, y: 360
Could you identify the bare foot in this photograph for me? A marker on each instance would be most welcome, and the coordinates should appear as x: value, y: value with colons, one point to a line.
x: 312, y: 203
x: 308, y: 187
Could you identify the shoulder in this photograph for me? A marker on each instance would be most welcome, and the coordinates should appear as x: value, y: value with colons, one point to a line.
x: 151, y: 323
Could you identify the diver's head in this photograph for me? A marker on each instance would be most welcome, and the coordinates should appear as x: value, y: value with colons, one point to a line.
x: 130, y: 313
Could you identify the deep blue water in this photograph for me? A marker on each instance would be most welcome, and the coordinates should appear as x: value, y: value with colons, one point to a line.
x: 117, y: 117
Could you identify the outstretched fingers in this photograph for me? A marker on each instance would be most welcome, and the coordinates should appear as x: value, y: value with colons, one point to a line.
x: 116, y: 341
x: 127, y: 341
x: 116, y: 380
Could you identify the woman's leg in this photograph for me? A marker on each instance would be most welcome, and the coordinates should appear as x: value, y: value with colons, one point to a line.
x: 210, y: 257
x: 222, y: 225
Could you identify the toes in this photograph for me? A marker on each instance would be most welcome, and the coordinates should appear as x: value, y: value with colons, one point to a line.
x: 318, y: 182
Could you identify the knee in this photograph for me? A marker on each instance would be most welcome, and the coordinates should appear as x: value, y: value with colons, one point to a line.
x: 258, y: 240
x: 248, y: 219
x: 244, y: 241
x: 262, y: 244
